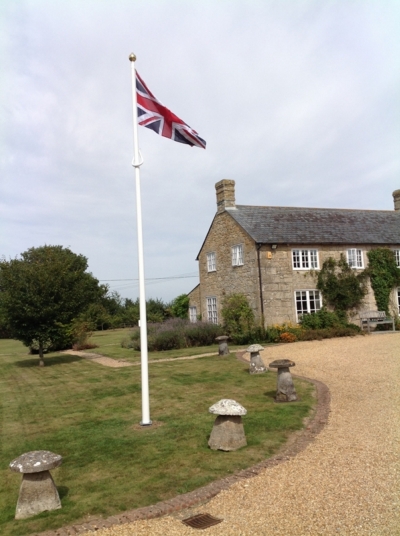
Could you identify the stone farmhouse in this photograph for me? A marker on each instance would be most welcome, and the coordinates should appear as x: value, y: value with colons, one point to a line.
x: 270, y: 254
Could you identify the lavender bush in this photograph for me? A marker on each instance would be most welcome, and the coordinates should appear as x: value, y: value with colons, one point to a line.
x: 174, y: 334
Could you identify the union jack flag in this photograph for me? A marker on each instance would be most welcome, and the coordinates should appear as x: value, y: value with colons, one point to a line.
x: 154, y: 115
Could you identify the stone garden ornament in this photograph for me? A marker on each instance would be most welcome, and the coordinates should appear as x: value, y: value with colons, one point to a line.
x: 228, y: 432
x: 38, y: 492
x: 222, y: 345
x: 256, y: 363
x: 285, y: 391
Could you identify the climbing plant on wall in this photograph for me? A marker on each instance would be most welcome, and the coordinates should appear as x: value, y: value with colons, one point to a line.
x: 342, y: 287
x: 384, y: 275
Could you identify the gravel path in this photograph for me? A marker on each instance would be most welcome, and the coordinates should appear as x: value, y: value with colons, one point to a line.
x: 347, y: 481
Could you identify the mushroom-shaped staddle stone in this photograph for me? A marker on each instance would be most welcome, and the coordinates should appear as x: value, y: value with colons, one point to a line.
x: 38, y: 492
x: 36, y: 461
x: 256, y: 363
x: 222, y: 345
x: 285, y: 391
x: 228, y: 432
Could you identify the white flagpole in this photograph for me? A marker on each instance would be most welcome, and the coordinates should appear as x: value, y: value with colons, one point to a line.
x: 136, y: 163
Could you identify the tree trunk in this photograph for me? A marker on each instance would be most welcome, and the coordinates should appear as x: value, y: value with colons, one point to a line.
x: 41, y: 361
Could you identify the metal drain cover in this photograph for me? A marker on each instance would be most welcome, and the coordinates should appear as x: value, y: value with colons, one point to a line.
x: 201, y: 521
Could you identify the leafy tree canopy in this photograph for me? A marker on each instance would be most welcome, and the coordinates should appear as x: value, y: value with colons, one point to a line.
x: 180, y: 306
x: 42, y: 292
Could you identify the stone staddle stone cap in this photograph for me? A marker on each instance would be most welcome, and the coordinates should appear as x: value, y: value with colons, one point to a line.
x: 36, y: 461
x: 222, y: 338
x: 280, y: 363
x: 226, y: 406
x: 255, y: 348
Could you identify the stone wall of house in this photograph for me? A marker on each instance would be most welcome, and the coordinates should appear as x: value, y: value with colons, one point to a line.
x: 194, y: 299
x: 280, y: 281
x: 227, y: 279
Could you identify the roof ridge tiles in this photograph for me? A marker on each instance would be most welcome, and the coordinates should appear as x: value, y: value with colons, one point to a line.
x: 314, y: 208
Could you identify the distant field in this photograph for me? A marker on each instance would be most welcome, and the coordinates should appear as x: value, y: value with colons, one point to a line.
x: 90, y: 415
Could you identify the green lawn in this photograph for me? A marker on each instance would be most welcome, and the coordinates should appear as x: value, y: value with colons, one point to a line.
x: 109, y: 344
x: 90, y: 413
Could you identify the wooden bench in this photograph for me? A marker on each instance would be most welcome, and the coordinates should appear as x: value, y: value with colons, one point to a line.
x: 375, y: 317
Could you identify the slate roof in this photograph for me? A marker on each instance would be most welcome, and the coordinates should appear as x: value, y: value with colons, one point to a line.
x: 293, y: 225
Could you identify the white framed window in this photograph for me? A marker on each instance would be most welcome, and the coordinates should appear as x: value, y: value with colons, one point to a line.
x: 212, y: 315
x: 237, y: 255
x: 398, y: 298
x: 307, y: 302
x: 193, y: 314
x: 355, y: 258
x: 305, y: 259
x: 397, y: 256
x: 211, y: 265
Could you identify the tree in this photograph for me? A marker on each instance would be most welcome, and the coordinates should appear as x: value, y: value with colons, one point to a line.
x: 42, y: 292
x: 156, y: 310
x: 180, y: 306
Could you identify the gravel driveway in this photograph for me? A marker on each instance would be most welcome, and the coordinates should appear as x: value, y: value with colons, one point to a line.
x: 345, y: 482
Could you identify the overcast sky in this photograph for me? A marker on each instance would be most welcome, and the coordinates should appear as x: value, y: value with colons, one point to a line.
x: 298, y: 101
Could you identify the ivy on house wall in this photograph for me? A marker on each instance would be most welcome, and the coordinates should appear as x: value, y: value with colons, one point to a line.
x: 384, y: 275
x: 342, y: 287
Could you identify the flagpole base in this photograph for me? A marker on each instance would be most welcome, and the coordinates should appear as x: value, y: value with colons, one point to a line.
x: 146, y: 423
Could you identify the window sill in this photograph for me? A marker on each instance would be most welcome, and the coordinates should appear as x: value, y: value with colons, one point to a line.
x: 305, y: 269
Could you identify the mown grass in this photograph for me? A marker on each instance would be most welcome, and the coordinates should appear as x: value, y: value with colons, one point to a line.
x: 109, y: 344
x: 90, y: 415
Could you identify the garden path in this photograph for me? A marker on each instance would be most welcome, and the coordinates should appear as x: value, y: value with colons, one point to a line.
x: 347, y: 481
x: 117, y: 363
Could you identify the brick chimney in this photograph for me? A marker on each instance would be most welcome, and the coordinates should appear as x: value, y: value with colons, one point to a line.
x: 396, y: 198
x: 226, y: 194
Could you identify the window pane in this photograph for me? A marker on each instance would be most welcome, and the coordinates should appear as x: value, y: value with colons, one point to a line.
x: 397, y: 255
x: 212, y: 310
x: 240, y: 255
x: 351, y: 257
x: 234, y: 262
x: 301, y: 301
x: 304, y: 258
x: 237, y: 255
x: 307, y: 302
x: 296, y: 258
x: 193, y: 314
x: 211, y: 262
x: 314, y: 301
x: 314, y: 258
x: 355, y: 258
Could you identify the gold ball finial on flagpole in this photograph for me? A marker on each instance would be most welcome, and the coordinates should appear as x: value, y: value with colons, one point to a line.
x: 132, y: 57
